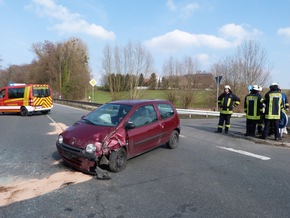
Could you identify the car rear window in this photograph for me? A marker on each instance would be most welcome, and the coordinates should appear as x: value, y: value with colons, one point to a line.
x: 41, y: 92
x: 165, y: 110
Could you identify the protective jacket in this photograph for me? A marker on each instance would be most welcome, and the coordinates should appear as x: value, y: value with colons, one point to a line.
x: 227, y: 102
x: 274, y: 104
x: 253, y: 106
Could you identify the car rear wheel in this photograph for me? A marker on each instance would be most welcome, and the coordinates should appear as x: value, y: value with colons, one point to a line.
x: 118, y: 160
x: 23, y: 111
x: 173, y: 140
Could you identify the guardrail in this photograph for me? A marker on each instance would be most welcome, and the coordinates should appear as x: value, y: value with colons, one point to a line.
x: 190, y: 113
x: 205, y: 113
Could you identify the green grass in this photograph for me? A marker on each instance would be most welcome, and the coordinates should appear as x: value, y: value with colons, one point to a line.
x: 201, y: 97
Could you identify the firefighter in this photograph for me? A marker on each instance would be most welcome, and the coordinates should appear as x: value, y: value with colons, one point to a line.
x: 226, y: 101
x: 253, y: 108
x: 274, y: 105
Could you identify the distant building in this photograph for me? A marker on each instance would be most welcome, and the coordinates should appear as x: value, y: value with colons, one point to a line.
x: 202, y: 80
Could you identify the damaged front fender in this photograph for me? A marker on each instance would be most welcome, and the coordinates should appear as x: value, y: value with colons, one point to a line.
x: 114, y: 140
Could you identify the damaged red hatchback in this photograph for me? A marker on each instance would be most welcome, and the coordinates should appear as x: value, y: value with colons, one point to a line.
x: 117, y: 131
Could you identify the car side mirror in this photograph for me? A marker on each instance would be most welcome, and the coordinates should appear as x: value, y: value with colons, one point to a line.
x: 130, y: 125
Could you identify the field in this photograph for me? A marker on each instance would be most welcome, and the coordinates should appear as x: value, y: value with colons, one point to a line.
x: 202, y: 99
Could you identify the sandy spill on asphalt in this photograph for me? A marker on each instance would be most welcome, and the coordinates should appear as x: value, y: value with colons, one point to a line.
x: 58, y: 128
x: 23, y: 190
x: 28, y: 189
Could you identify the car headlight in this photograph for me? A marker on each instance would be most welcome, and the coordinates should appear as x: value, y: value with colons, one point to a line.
x: 60, y: 139
x: 90, y: 148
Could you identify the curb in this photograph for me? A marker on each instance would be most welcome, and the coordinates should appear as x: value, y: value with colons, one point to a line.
x: 261, y: 141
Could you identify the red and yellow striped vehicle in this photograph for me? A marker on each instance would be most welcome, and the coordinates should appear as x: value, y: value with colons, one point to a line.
x: 26, y: 99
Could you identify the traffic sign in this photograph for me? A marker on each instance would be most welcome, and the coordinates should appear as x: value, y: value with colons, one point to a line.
x: 93, y: 82
x: 218, y: 79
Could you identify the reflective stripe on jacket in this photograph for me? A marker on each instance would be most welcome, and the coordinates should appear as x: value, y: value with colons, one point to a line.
x: 227, y: 102
x: 253, y: 106
x: 273, y: 101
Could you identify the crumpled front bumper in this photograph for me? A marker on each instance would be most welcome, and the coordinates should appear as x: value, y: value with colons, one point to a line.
x: 77, y: 158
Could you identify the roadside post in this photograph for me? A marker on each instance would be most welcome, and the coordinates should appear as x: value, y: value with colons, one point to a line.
x: 218, y: 82
x: 93, y: 82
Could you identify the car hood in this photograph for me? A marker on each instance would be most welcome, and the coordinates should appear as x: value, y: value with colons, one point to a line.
x: 80, y: 134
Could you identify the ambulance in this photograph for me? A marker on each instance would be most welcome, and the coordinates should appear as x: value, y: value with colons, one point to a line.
x: 26, y: 99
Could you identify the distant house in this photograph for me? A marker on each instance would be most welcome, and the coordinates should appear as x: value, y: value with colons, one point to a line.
x: 202, y: 80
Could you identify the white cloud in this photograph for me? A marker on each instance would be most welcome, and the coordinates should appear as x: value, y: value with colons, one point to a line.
x: 177, y: 40
x: 230, y: 36
x: 237, y: 33
x: 185, y: 11
x: 170, y: 4
x: 284, y: 32
x: 188, y: 9
x: 69, y: 22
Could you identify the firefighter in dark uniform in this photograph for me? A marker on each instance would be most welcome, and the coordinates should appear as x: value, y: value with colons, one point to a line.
x: 274, y: 104
x: 226, y: 101
x: 253, y: 108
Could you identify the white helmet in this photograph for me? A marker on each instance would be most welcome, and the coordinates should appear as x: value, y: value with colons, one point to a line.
x: 256, y: 88
x: 227, y: 87
x: 260, y: 88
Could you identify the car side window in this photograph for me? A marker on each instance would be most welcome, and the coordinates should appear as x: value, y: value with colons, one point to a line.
x: 165, y: 110
x: 16, y: 93
x: 144, y: 115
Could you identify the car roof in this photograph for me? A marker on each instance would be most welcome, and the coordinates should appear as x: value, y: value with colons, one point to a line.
x: 138, y: 101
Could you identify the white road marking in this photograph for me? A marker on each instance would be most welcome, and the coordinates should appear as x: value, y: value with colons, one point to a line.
x: 182, y: 136
x: 51, y: 119
x: 245, y: 153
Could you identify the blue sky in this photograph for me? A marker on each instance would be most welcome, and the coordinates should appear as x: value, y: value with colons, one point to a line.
x: 207, y: 30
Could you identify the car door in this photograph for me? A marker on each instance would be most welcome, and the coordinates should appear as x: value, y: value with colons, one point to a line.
x: 2, y: 97
x: 147, y: 132
x: 167, y: 120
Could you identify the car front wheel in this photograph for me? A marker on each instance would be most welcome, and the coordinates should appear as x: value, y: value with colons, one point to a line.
x: 118, y: 160
x: 173, y: 140
x: 23, y: 111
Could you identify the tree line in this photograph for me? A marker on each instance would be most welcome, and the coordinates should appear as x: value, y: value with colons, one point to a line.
x: 65, y: 66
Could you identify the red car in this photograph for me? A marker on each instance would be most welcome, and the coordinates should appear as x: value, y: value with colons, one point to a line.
x: 117, y: 131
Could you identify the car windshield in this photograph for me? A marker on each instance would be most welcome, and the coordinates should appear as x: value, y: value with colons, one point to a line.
x: 107, y: 115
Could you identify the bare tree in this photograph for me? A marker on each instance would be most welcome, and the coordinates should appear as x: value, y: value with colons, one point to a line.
x: 131, y: 62
x: 172, y: 78
x: 252, y: 62
x: 248, y: 66
x: 187, y: 69
x: 181, y: 80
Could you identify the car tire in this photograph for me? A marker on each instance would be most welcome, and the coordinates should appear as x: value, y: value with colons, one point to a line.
x: 118, y: 160
x: 173, y: 140
x: 23, y: 111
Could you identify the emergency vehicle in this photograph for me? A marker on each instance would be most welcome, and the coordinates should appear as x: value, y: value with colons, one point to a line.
x: 25, y: 99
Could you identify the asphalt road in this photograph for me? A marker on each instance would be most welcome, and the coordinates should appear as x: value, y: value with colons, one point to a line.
x: 208, y: 175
